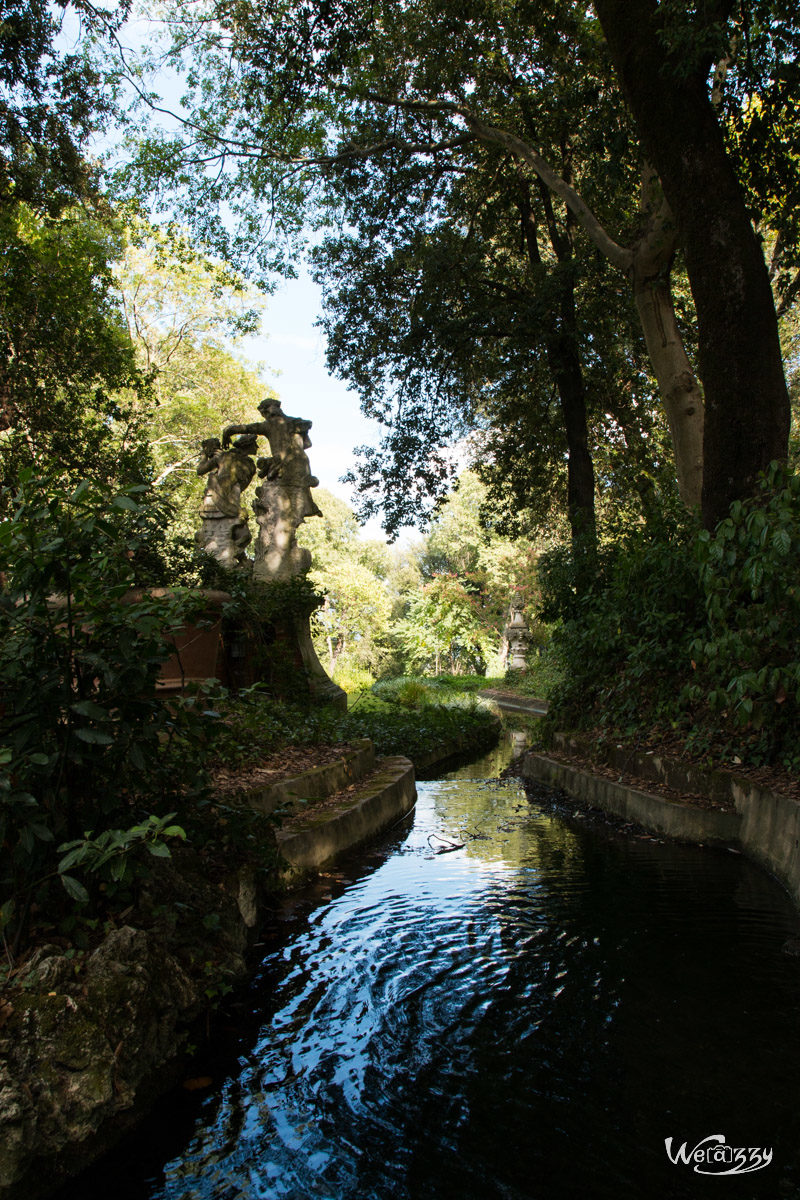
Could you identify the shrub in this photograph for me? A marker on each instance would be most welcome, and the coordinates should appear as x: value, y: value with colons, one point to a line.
x: 689, y: 630
x: 746, y: 657
x: 542, y: 675
x: 84, y: 741
x: 255, y: 724
x: 623, y: 642
x: 353, y: 678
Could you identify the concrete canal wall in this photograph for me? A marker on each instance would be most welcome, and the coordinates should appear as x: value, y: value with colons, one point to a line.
x: 725, y: 807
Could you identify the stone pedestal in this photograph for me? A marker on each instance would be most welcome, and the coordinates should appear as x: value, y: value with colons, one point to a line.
x: 320, y: 685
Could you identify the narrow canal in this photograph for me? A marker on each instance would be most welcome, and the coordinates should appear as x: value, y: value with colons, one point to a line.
x: 528, y: 1017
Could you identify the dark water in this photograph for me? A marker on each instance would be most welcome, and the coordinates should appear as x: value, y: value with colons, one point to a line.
x: 527, y: 1017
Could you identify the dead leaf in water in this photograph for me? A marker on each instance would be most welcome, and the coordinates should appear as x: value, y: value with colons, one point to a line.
x: 196, y: 1084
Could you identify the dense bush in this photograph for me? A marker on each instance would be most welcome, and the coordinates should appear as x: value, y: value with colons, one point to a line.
x: 746, y: 656
x: 689, y: 631
x: 542, y: 675
x: 422, y: 691
x: 623, y: 642
x: 85, y: 744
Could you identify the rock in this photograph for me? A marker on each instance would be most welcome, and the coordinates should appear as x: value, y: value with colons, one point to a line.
x: 247, y: 899
x: 67, y: 1063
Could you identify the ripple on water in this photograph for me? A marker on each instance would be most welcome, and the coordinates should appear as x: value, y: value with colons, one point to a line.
x: 529, y: 1016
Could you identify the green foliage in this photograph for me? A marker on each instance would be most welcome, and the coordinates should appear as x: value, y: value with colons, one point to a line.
x: 85, y: 743
x: 471, y: 574
x: 418, y: 731
x: 52, y: 100
x: 273, y: 600
x: 423, y: 691
x: 351, y: 627
x: 450, y: 292
x: 68, y: 374
x: 116, y: 857
x: 444, y: 624
x: 623, y: 643
x: 746, y: 659
x: 689, y: 632
x: 186, y: 314
x: 254, y: 724
x: 407, y: 692
x: 353, y: 679
x: 542, y: 675
x: 462, y: 683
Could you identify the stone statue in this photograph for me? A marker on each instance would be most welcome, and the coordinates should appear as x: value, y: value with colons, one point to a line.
x: 223, y: 531
x: 516, y: 635
x: 283, y: 499
x: 282, y: 502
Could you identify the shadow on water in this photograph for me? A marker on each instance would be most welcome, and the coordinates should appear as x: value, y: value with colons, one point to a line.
x: 497, y: 1002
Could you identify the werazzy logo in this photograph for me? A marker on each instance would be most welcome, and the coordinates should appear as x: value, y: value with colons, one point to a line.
x: 713, y: 1156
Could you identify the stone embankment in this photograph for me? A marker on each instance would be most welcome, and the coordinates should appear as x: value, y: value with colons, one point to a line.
x: 88, y: 1041
x: 687, y: 802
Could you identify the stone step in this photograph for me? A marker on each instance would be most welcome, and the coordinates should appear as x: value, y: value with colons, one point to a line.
x: 311, y: 840
x: 318, y: 782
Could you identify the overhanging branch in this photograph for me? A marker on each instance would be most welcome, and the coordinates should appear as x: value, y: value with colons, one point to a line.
x: 618, y: 255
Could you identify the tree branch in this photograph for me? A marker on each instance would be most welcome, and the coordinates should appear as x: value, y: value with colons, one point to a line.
x: 618, y: 255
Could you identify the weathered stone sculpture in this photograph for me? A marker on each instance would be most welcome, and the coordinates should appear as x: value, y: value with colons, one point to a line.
x: 283, y: 499
x: 516, y: 635
x: 223, y: 531
x: 282, y: 502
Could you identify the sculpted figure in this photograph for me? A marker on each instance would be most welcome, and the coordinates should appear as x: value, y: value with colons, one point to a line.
x: 229, y: 472
x: 224, y: 532
x: 283, y: 500
x: 288, y: 441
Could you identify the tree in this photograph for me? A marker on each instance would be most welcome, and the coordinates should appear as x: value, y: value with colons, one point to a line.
x: 663, y: 56
x: 469, y: 577
x: 386, y: 116
x: 351, y: 628
x: 482, y: 312
x: 428, y: 82
x: 69, y: 382
x: 185, y: 313
x: 444, y: 628
x: 51, y: 102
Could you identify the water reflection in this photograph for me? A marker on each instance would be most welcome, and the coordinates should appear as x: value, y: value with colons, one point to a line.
x: 527, y: 1016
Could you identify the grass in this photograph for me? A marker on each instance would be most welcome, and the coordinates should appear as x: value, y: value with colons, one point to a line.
x: 539, y: 679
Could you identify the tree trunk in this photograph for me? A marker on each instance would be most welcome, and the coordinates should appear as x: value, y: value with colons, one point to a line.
x: 650, y: 276
x: 647, y: 266
x: 564, y: 362
x: 746, y: 400
x: 563, y: 359
x: 680, y: 391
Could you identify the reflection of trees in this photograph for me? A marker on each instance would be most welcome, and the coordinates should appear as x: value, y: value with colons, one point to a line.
x: 497, y: 823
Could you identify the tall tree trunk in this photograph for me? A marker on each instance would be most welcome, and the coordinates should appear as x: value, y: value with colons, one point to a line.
x: 564, y: 361
x: 681, y: 396
x: 747, y: 403
x: 680, y: 391
x: 647, y: 266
